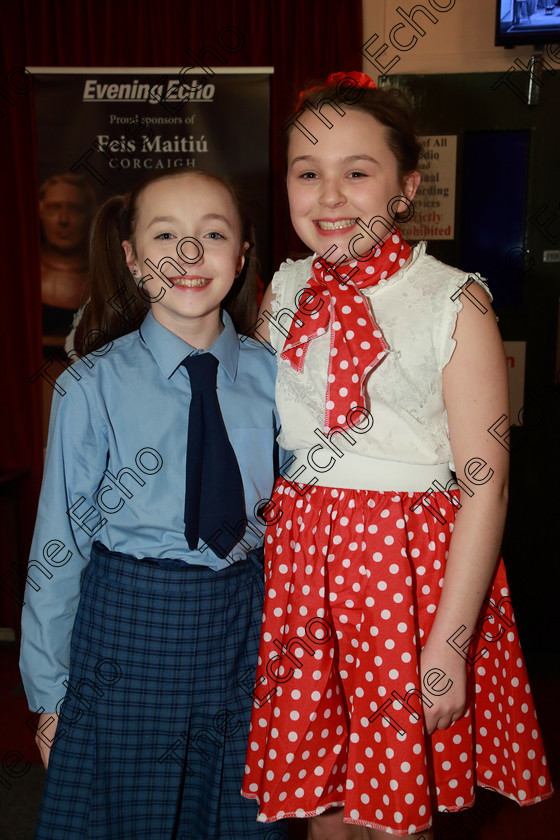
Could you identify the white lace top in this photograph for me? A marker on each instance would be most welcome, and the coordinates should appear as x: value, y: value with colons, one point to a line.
x: 417, y: 315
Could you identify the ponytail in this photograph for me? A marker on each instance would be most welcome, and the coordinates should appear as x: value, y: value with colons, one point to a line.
x: 241, y: 301
x: 115, y: 307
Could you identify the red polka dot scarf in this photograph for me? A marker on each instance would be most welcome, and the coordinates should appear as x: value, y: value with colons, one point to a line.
x: 357, y: 344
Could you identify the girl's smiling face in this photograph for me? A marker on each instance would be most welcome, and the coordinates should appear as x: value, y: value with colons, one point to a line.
x: 350, y: 173
x: 192, y: 221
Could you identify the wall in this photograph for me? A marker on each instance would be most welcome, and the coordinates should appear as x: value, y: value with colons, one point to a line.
x: 462, y: 40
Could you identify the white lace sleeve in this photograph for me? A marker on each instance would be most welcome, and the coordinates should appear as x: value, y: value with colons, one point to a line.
x: 446, y: 319
x: 290, y: 278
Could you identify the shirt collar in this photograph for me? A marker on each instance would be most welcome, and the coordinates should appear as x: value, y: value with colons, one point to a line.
x: 169, y: 350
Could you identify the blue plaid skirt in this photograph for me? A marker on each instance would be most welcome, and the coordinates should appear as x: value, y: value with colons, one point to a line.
x: 152, y: 733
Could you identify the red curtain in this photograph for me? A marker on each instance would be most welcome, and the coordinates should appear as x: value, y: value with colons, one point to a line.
x: 303, y: 40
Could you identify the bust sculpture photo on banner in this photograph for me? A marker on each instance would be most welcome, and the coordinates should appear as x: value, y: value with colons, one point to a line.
x: 66, y: 207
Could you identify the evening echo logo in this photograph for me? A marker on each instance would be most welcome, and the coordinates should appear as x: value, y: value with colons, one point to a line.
x: 170, y: 90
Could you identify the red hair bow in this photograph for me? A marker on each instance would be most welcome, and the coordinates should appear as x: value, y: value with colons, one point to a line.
x: 360, y: 79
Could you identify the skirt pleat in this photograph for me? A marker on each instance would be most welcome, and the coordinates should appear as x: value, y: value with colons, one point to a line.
x: 353, y: 583
x: 153, y: 729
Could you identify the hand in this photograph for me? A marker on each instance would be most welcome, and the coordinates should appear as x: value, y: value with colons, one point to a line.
x: 444, y: 684
x: 45, y: 736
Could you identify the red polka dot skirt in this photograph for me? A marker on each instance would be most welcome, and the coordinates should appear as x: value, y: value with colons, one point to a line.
x: 353, y: 582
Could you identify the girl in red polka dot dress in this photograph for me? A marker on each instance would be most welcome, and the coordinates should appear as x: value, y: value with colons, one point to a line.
x: 390, y: 681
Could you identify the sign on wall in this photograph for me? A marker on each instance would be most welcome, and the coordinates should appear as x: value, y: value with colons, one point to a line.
x: 434, y: 204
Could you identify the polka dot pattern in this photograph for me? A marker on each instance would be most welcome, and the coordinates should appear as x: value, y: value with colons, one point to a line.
x: 358, y: 343
x: 335, y: 720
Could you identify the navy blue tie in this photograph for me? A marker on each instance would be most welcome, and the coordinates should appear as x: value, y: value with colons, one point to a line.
x: 214, y: 502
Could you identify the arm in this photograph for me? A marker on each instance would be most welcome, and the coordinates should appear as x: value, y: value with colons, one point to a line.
x: 76, y: 458
x: 476, y: 392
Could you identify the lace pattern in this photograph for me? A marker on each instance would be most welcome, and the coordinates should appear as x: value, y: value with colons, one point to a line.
x: 416, y: 308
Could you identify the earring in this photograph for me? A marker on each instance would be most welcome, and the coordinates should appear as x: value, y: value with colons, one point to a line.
x: 134, y: 273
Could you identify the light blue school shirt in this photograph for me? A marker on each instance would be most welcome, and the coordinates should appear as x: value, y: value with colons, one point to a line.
x: 115, y: 472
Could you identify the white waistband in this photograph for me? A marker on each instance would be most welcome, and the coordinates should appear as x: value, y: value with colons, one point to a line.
x: 358, y: 472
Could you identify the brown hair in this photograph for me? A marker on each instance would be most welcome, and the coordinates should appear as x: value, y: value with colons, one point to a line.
x: 116, y: 306
x: 389, y: 106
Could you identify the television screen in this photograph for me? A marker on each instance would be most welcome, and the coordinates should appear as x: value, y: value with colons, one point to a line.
x: 527, y: 22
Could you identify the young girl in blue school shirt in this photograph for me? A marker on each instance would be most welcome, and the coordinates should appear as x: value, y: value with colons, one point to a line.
x: 137, y: 649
